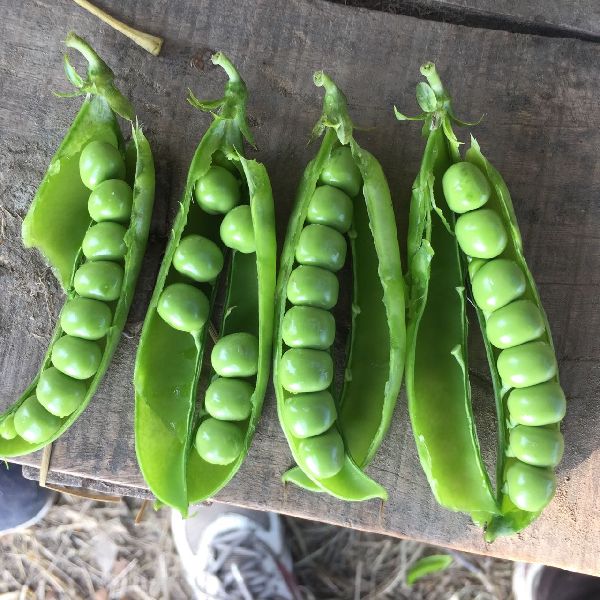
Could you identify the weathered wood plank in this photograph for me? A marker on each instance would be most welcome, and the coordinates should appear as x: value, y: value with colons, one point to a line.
x: 541, y: 125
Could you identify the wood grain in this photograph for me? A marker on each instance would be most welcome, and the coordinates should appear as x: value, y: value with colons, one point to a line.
x: 541, y: 129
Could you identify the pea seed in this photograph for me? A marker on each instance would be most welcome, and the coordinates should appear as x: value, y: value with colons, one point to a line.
x: 341, y: 171
x: 235, y: 355
x: 219, y: 159
x: 497, y: 283
x: 105, y: 241
x: 526, y: 365
x: 515, y: 324
x: 530, y: 488
x: 313, y: 286
x: 540, y: 404
x: 34, y: 423
x: 183, y: 307
x: 100, y: 280
x: 98, y: 162
x: 538, y: 446
x: 111, y: 200
x: 75, y: 357
x: 219, y: 442
x: 198, y: 258
x: 302, y: 370
x: 474, y: 265
x: 481, y: 234
x: 7, y: 428
x: 332, y: 207
x: 465, y: 187
x: 321, y: 246
x: 237, y: 230
x: 86, y: 318
x: 218, y: 191
x: 308, y: 327
x: 229, y: 399
x: 307, y: 415
x: 323, y: 455
x: 58, y: 393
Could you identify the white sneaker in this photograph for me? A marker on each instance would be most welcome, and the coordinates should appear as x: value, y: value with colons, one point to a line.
x: 231, y: 553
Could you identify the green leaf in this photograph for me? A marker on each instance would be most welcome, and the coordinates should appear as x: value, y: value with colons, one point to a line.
x: 426, y: 97
x: 402, y: 117
x: 427, y: 565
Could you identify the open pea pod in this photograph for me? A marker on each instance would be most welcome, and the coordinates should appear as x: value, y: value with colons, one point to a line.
x: 188, y: 452
x: 343, y: 191
x: 96, y: 259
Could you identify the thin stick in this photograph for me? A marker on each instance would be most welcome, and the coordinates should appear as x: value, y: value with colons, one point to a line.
x: 140, y: 513
x: 83, y: 493
x: 148, y: 42
x: 45, y: 464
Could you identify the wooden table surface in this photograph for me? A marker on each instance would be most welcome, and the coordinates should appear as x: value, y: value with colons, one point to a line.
x: 541, y: 129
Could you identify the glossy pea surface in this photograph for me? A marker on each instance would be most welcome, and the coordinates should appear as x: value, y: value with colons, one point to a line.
x: 58, y: 393
x: 302, y: 370
x: 332, y: 207
x: 496, y: 283
x: 237, y: 230
x: 323, y: 455
x: 229, y: 399
x: 530, y: 488
x: 34, y: 423
x: 105, y: 241
x: 341, y: 171
x: 219, y: 442
x: 75, y: 357
x: 7, y: 428
x: 516, y: 323
x: 235, y: 355
x: 307, y: 415
x: 308, y: 327
x: 86, y: 318
x: 98, y: 162
x: 538, y: 446
x: 465, y: 187
x: 540, y: 404
x: 183, y: 307
x: 111, y: 200
x: 313, y: 286
x: 474, y: 265
x: 527, y: 364
x: 218, y: 191
x: 481, y: 233
x: 100, y: 280
x: 198, y: 258
x: 321, y: 246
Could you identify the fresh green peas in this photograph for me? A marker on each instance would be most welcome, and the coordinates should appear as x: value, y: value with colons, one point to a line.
x: 86, y: 318
x: 323, y: 455
x: 235, y: 355
x: 341, y: 171
x: 237, y: 230
x: 308, y: 415
x: 75, y: 357
x: 105, y: 241
x: 474, y: 265
x: 527, y: 364
x: 229, y: 399
x: 538, y: 446
x: 308, y: 327
x: 219, y: 442
x: 98, y: 162
x: 515, y: 324
x: 7, y: 428
x: 183, y: 307
x: 541, y: 404
x: 465, y: 187
x: 58, y: 393
x: 34, y: 423
x: 111, y: 200
x: 481, y: 234
x: 100, y: 280
x: 218, y: 191
x: 313, y: 286
x: 321, y: 246
x: 497, y: 283
x: 198, y: 258
x: 302, y: 370
x: 332, y: 207
x: 530, y: 488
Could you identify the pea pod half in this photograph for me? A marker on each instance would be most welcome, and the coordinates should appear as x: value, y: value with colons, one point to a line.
x: 187, y: 453
x: 462, y: 226
x: 97, y: 263
x: 333, y: 436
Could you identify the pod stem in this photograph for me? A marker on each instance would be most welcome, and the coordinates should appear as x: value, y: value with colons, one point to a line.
x: 335, y: 110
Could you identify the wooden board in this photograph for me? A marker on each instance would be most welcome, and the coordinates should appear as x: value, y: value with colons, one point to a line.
x: 541, y: 130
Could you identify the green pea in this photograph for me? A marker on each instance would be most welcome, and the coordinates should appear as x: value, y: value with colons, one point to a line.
x: 527, y: 364
x: 100, y: 280
x: 218, y: 191
x: 540, y: 404
x: 308, y: 327
x: 86, y: 318
x: 75, y: 357
x: 219, y: 442
x: 330, y: 206
x: 465, y: 187
x: 323, y: 455
x: 229, y: 399
x: 34, y: 423
x: 341, y: 171
x: 7, y: 428
x: 530, y: 488
x: 474, y: 265
x: 497, y: 283
x: 313, y: 286
x: 98, y: 162
x: 538, y: 446
x: 321, y: 246
x: 183, y: 307
x: 515, y: 324
x: 58, y: 393
x: 105, y: 241
x: 111, y: 200
x: 307, y: 415
x: 481, y: 234
x: 237, y: 230
x: 302, y: 370
x: 235, y: 355
x: 198, y: 258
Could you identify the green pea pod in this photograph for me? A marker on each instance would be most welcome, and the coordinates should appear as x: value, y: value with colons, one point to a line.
x: 375, y: 355
x: 169, y: 362
x: 58, y: 221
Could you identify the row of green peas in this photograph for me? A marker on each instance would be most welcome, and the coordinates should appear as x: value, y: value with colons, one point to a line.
x: 308, y: 329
